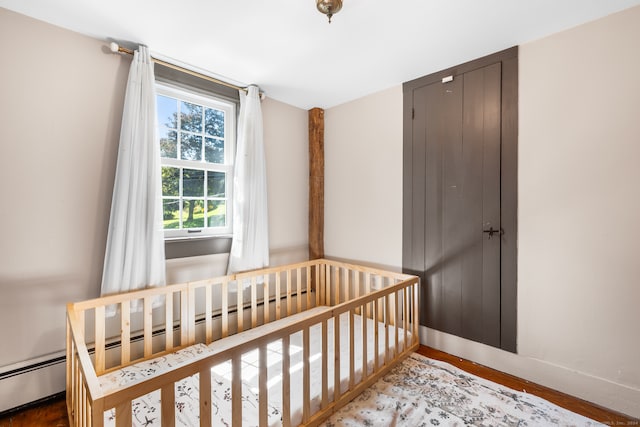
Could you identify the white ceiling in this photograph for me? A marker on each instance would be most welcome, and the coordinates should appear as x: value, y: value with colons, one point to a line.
x: 295, y: 56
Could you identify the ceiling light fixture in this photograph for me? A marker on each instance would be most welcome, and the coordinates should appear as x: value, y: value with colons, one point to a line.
x: 329, y: 7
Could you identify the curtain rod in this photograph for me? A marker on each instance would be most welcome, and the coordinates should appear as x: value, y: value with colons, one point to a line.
x: 115, y: 48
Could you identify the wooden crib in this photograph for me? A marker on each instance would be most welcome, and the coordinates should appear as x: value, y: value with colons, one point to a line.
x: 280, y: 346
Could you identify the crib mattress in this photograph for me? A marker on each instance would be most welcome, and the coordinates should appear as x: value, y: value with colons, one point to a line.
x: 146, y: 409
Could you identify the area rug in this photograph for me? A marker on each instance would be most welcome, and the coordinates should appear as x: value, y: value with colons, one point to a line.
x: 423, y: 392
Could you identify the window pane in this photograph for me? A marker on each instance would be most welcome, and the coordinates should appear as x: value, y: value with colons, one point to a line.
x: 214, y: 150
x: 216, y: 213
x: 214, y: 122
x: 190, y: 147
x: 215, y: 184
x: 193, y: 214
x: 167, y: 111
x: 168, y: 143
x: 190, y: 117
x: 170, y: 209
x: 192, y: 183
x: 170, y: 181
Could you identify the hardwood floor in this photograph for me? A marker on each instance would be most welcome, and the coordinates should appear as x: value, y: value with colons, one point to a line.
x: 54, y: 413
x: 51, y: 413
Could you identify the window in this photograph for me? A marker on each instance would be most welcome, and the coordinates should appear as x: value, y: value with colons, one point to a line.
x: 196, y: 137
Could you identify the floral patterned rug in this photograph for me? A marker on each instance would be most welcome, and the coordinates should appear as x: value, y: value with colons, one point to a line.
x: 422, y: 392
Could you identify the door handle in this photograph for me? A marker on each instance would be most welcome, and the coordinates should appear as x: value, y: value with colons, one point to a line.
x: 493, y: 231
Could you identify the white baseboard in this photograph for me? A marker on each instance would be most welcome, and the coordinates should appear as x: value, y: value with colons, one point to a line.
x: 600, y: 391
x: 31, y: 380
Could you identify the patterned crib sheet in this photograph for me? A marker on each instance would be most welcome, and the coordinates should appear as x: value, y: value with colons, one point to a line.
x: 146, y: 409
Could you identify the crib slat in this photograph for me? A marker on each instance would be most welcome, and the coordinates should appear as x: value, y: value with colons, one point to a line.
x: 168, y: 410
x: 327, y: 285
x: 367, y: 291
x: 148, y: 323
x: 83, y: 403
x: 266, y: 299
x: 352, y: 350
x: 184, y: 317
x: 298, y: 290
x: 405, y: 312
x: 239, y: 306
x: 168, y: 322
x: 208, y: 321
x: 278, y: 296
x: 191, y: 314
x: 123, y: 414
x: 308, y: 287
x: 263, y: 396
x: 68, y: 370
x: 306, y: 381
x: 236, y: 391
x: 319, y: 284
x: 288, y: 292
x: 396, y: 323
x: 205, y: 398
x: 99, y: 338
x: 83, y: 399
x: 85, y: 406
x: 356, y: 285
x: 416, y: 322
x: 80, y: 388
x: 386, y: 329
x: 365, y: 353
x: 225, y: 308
x: 336, y: 355
x: 71, y: 391
x: 325, y: 379
x: 125, y: 335
x: 75, y: 390
x: 87, y: 410
x: 286, y: 382
x: 336, y: 280
x: 394, y: 305
x: 376, y: 338
x: 254, y: 303
x: 347, y: 285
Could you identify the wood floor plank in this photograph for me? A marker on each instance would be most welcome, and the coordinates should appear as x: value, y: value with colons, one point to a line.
x: 51, y: 414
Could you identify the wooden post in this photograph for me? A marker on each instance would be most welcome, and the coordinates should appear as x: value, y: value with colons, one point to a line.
x: 316, y: 183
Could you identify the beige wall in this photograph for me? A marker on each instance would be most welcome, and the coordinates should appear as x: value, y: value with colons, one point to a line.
x: 579, y: 206
x: 60, y: 113
x: 61, y: 98
x: 363, y: 179
x: 579, y: 200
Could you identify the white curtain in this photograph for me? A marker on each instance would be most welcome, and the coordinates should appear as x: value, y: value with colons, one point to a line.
x: 134, y: 257
x: 250, y: 246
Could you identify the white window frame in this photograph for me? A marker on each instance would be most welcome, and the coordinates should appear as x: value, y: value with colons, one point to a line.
x: 229, y: 108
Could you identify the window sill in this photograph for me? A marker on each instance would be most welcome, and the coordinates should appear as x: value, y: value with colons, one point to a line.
x: 188, y: 246
x: 197, y: 237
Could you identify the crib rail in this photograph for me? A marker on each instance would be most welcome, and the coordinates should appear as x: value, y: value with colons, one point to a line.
x: 210, y: 310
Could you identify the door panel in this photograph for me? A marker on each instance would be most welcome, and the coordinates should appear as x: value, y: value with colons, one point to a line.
x: 461, y: 128
x: 491, y: 299
x: 450, y: 168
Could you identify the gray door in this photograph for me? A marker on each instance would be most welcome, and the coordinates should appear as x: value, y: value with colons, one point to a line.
x: 458, y: 125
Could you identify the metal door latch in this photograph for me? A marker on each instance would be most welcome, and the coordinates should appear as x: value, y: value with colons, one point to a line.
x: 493, y: 231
